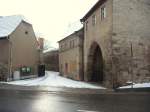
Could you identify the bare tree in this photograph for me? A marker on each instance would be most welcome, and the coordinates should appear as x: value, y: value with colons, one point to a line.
x: 48, y: 46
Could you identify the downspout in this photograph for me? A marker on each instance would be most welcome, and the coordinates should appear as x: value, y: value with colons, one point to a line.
x: 83, y: 65
x: 9, y: 60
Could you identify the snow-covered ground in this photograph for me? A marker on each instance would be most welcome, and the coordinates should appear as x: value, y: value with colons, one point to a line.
x: 138, y: 85
x: 53, y: 79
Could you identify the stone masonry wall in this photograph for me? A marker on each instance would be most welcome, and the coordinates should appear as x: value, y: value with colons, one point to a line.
x: 51, y: 60
x: 71, y: 56
x: 131, y: 40
x: 100, y: 33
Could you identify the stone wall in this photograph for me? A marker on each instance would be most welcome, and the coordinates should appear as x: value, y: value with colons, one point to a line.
x: 101, y: 34
x: 51, y: 60
x: 71, y: 56
x: 131, y: 40
x: 124, y: 39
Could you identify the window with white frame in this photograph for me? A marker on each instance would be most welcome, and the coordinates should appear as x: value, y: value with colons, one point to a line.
x: 103, y: 12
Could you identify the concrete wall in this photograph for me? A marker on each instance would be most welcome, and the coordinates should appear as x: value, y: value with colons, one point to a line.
x: 24, y: 47
x: 131, y: 33
x: 101, y: 33
x: 71, y: 54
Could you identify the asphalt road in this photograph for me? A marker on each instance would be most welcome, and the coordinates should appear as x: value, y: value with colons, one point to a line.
x: 36, y: 101
x: 31, y: 101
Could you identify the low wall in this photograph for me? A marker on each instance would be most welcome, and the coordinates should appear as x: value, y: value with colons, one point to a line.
x: 3, y: 72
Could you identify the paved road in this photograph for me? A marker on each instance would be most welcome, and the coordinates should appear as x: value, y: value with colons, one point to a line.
x: 29, y: 101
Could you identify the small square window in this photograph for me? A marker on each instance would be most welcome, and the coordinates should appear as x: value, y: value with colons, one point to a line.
x: 26, y: 32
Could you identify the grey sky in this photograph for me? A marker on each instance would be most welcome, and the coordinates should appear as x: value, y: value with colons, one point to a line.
x: 50, y: 18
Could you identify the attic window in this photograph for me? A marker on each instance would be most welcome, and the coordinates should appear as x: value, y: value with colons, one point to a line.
x: 26, y: 32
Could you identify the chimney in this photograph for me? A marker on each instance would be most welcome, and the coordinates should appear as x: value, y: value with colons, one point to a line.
x: 41, y: 43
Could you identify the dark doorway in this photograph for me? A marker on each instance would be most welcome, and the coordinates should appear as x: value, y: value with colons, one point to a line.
x: 41, y: 70
x: 97, y: 75
x: 95, y: 64
x: 66, y: 68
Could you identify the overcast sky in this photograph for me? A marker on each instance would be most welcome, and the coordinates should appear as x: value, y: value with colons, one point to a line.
x: 50, y: 18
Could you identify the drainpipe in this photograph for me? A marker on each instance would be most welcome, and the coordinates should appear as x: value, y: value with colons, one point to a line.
x: 83, y: 65
x: 9, y: 59
x: 132, y: 77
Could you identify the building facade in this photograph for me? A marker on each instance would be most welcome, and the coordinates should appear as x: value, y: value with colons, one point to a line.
x: 18, y: 48
x: 117, y: 42
x: 71, y: 56
x: 51, y: 60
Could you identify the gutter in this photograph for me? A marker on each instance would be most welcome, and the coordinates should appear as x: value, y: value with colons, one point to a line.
x: 3, y: 38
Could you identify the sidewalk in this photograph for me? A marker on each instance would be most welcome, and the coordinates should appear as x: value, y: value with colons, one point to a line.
x: 55, y: 89
x: 146, y: 89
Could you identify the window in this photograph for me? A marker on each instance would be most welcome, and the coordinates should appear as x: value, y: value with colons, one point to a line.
x: 93, y: 20
x: 70, y: 44
x: 61, y: 46
x: 26, y: 32
x: 65, y: 46
x: 73, y: 43
x: 103, y: 12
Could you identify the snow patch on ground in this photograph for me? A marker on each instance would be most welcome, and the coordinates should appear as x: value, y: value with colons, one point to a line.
x: 138, y: 85
x: 53, y: 79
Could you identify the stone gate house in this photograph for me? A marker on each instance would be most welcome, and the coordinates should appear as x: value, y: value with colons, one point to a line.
x: 117, y: 42
x: 71, y: 56
x: 18, y: 48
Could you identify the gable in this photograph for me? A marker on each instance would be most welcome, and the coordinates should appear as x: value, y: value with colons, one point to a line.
x: 94, y: 8
x: 8, y: 24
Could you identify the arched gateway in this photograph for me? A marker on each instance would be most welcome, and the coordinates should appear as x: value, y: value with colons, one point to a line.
x: 95, y: 64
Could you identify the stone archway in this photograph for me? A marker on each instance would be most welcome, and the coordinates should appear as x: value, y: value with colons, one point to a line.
x: 95, y: 64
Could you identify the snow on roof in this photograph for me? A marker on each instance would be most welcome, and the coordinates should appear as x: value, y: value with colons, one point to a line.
x: 9, y: 23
